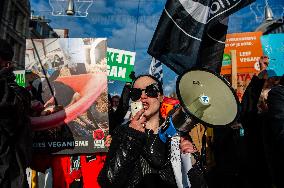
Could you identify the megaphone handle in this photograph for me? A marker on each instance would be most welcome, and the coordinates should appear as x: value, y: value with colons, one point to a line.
x: 167, y: 130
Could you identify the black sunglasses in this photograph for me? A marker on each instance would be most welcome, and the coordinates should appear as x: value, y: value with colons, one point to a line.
x: 151, y: 91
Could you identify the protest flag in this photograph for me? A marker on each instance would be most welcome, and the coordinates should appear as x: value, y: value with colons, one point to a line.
x: 156, y: 69
x: 192, y: 33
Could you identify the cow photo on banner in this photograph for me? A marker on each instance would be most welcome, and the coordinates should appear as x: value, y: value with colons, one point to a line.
x: 67, y: 78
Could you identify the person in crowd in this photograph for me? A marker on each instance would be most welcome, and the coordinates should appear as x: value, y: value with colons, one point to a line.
x: 116, y: 117
x: 253, y: 118
x: 137, y: 157
x: 15, y: 138
x: 115, y: 102
x: 273, y: 133
x: 263, y: 63
x: 239, y: 157
x: 227, y: 155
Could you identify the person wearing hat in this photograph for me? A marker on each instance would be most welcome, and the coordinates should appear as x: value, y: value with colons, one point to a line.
x: 15, y: 138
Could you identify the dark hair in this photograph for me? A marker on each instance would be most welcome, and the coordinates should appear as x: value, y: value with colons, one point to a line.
x: 160, y: 87
x: 115, y: 96
x: 264, y: 56
x: 6, y: 50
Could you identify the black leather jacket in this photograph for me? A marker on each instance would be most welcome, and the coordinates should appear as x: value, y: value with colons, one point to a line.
x: 137, y: 159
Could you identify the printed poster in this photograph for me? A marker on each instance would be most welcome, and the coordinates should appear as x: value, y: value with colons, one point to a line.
x: 120, y: 63
x: 273, y: 47
x: 68, y: 84
x: 248, y: 51
x: 20, y: 77
x: 243, y: 80
x: 248, y: 48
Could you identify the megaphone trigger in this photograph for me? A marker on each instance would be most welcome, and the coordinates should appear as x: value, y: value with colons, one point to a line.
x: 167, y: 130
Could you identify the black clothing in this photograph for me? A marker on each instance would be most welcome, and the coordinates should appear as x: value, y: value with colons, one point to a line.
x: 240, y: 160
x: 15, y: 138
x: 137, y: 159
x: 116, y: 118
x: 250, y: 99
x: 274, y: 134
x: 256, y: 168
x: 228, y: 154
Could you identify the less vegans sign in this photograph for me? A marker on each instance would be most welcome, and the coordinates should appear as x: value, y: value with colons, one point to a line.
x: 120, y: 63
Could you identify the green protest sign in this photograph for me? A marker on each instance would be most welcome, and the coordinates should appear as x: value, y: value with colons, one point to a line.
x: 120, y: 63
x: 20, y: 77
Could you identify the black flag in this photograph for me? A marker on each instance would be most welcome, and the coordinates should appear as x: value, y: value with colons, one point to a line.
x: 192, y: 33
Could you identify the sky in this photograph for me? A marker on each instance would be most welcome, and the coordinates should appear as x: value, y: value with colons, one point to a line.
x: 130, y: 25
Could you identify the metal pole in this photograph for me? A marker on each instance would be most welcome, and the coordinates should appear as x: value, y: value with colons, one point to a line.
x: 137, y: 19
x: 44, y: 72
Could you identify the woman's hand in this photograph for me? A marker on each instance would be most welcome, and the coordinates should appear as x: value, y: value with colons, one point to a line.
x: 138, y: 122
x: 108, y: 141
x: 51, y: 110
x: 186, y: 146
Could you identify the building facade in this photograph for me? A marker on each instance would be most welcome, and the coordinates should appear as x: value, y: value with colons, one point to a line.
x: 63, y: 33
x: 39, y: 28
x: 14, y: 26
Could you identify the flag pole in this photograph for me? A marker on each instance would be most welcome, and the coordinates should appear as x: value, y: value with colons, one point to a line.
x: 234, y: 69
x: 137, y: 19
x: 44, y: 72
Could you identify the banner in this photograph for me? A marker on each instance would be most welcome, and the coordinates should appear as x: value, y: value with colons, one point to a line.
x: 248, y: 51
x: 248, y: 48
x: 156, y: 69
x: 71, y: 113
x: 192, y: 33
x: 20, y: 77
x: 273, y: 47
x: 243, y: 80
x: 120, y: 63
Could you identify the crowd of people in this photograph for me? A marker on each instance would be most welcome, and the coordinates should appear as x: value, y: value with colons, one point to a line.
x: 137, y: 157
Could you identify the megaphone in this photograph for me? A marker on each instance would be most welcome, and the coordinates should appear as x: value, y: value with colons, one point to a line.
x: 205, y: 97
x: 70, y: 8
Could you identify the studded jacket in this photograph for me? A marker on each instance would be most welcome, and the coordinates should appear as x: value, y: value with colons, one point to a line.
x: 137, y: 159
